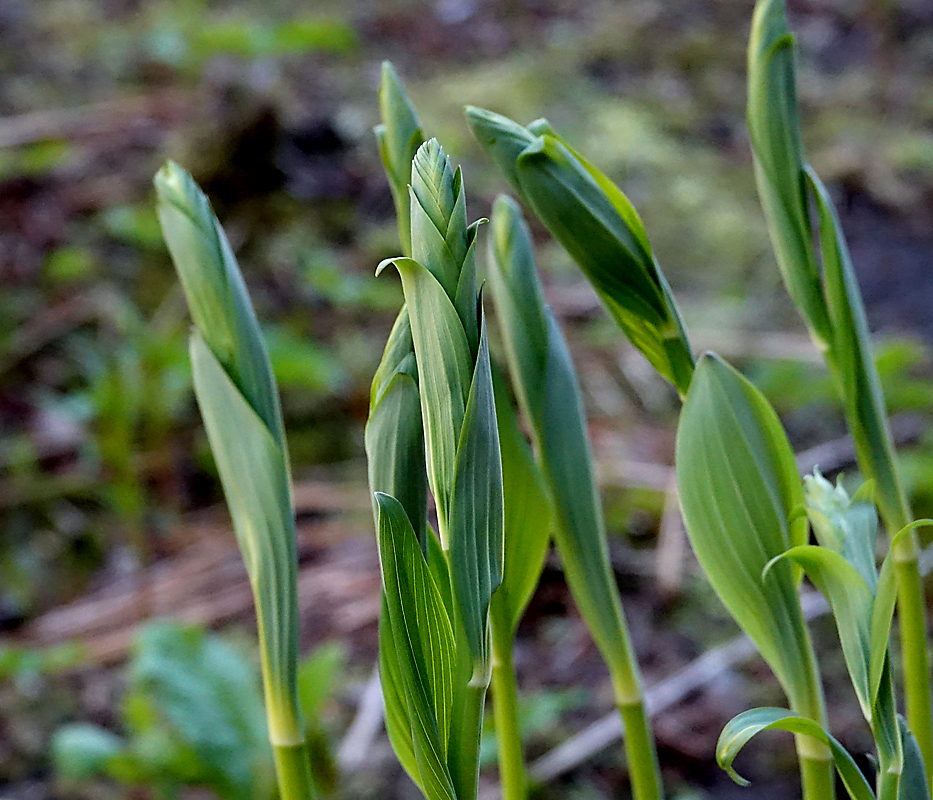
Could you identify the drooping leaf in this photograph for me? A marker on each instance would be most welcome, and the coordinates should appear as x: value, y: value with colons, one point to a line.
x: 746, y: 725
x: 423, y: 639
x: 600, y: 229
x: 739, y: 489
x: 477, y: 514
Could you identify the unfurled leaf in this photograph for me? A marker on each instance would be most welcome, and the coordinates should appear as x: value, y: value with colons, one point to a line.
x: 422, y: 637
x: 746, y: 725
x: 913, y: 783
x: 739, y: 490
x: 82, y: 750
x: 600, y: 229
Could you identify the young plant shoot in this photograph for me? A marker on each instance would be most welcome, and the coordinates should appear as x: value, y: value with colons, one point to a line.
x: 831, y: 304
x: 239, y: 403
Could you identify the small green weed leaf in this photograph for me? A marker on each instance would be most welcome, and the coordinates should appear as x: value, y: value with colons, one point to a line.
x: 445, y: 369
x: 399, y: 136
x: 198, y: 707
x: 549, y: 394
x: 885, y: 600
x: 216, y: 293
x: 81, y: 750
x: 423, y: 638
x: 913, y: 783
x: 252, y: 467
x: 774, y: 127
x: 477, y: 514
x: 746, y: 725
x: 527, y: 519
x: 851, y: 601
x: 739, y: 487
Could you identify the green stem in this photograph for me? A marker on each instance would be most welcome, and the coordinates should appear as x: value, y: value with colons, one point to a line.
x: 293, y: 769
x: 915, y: 656
x: 816, y: 770
x: 640, y: 752
x: 512, y: 776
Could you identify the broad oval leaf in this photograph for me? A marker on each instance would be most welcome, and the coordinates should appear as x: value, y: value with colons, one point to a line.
x: 739, y: 488
x: 748, y: 724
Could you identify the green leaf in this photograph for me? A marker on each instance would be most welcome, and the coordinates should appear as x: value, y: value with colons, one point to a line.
x: 397, y: 721
x: 445, y: 369
x: 774, y: 127
x: 885, y: 600
x: 81, y: 750
x: 913, y: 783
x: 423, y: 639
x: 549, y: 394
x: 253, y: 471
x: 739, y: 488
x: 746, y: 725
x: 851, y: 358
x: 527, y: 520
x: 399, y: 136
x: 600, y: 229
x: 216, y: 293
x: 394, y: 435
x: 477, y: 515
x: 203, y: 695
x: 851, y: 600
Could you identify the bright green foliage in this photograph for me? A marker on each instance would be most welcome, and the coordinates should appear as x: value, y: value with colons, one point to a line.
x: 597, y: 225
x: 236, y: 392
x: 743, y: 727
x: 739, y: 489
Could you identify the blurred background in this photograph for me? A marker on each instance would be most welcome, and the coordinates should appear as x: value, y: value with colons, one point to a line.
x: 110, y: 522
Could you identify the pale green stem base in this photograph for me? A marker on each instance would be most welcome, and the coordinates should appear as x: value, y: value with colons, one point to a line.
x: 816, y: 773
x: 293, y: 770
x: 512, y: 775
x: 915, y: 655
